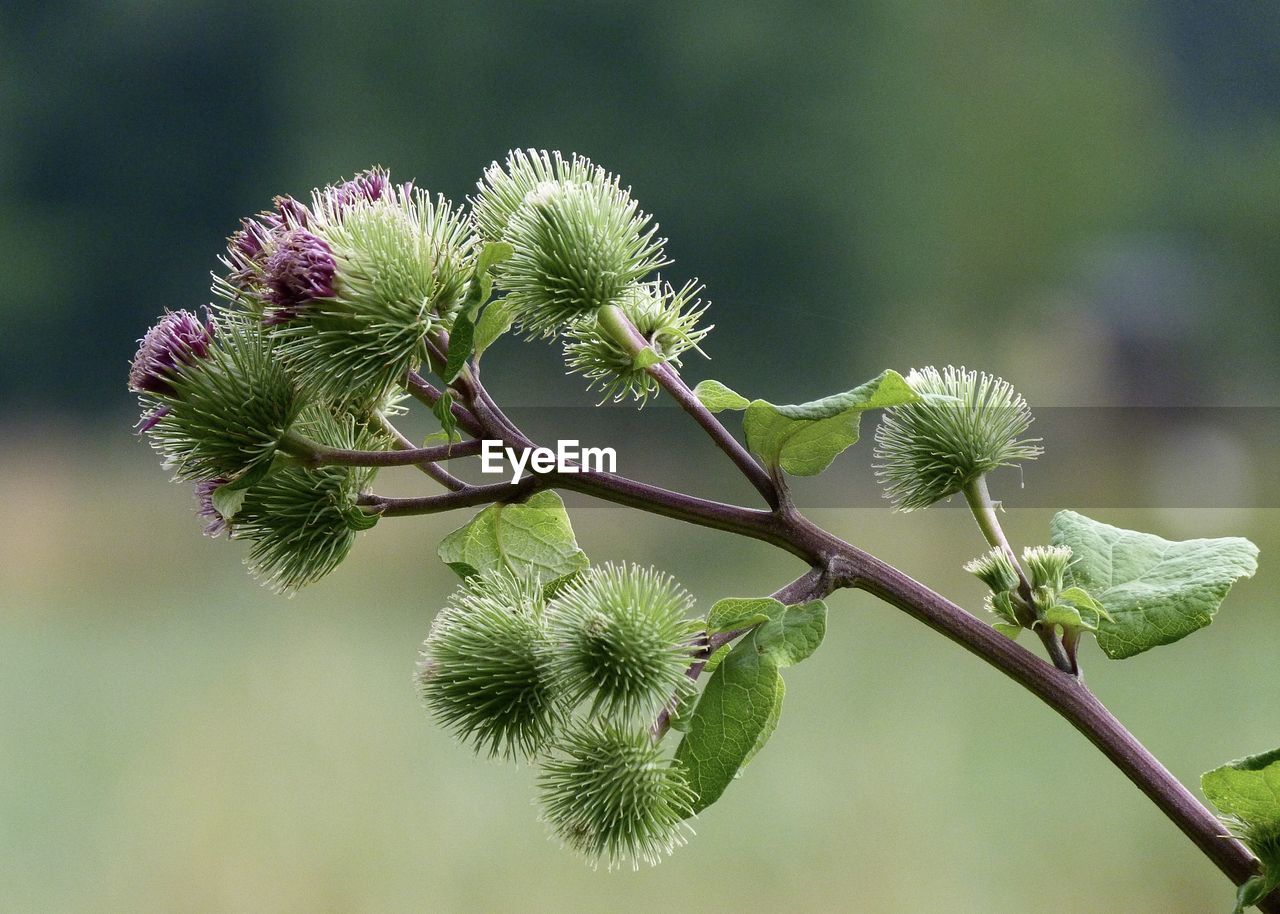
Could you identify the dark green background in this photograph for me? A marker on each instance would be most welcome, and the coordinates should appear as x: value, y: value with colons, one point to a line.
x: 1082, y: 197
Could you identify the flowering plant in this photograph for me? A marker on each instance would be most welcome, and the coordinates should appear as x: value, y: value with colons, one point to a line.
x: 279, y: 404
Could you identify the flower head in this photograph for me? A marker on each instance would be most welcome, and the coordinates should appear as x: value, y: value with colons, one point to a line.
x: 178, y: 338
x: 578, y: 247
x: 995, y: 569
x: 300, y: 269
x: 503, y: 189
x: 609, y: 793
x: 965, y: 425
x: 368, y: 186
x: 623, y: 636
x: 1047, y: 566
x: 485, y: 672
x: 665, y: 317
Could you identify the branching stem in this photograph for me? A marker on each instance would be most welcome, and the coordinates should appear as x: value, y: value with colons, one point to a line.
x: 835, y: 564
x: 984, y: 512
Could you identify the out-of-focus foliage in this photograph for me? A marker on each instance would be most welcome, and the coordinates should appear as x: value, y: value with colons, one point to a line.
x: 886, y: 171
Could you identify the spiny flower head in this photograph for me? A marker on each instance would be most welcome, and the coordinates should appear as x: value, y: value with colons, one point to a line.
x: 622, y: 634
x: 300, y: 269
x: 302, y: 522
x: 1047, y: 566
x: 995, y: 569
x: 401, y: 264
x: 578, y: 246
x: 178, y: 338
x: 610, y: 794
x: 485, y: 671
x: 966, y: 425
x: 665, y: 317
x: 502, y: 189
x: 225, y: 413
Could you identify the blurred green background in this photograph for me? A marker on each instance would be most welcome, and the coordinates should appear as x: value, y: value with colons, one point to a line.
x: 1082, y: 197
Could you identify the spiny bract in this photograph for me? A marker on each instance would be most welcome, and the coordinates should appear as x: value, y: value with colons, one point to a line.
x: 485, y: 671
x: 610, y: 794
x: 622, y: 636
x: 966, y: 425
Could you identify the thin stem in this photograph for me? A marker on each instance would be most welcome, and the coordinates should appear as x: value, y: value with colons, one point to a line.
x: 984, y: 512
x: 1072, y: 700
x: 810, y: 586
x: 318, y: 455
x: 613, y: 320
x: 761, y: 525
x: 426, y: 393
x: 434, y: 470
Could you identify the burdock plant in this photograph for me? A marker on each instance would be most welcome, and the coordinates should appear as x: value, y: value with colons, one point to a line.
x: 279, y: 405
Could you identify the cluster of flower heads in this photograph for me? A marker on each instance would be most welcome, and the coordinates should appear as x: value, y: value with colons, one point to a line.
x: 1045, y: 600
x: 581, y: 243
x: 572, y: 682
x: 325, y: 305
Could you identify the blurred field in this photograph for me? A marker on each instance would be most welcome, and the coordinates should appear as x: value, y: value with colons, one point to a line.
x: 179, y: 739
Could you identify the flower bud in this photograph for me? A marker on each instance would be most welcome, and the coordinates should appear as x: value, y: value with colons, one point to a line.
x: 502, y: 190
x: 215, y: 524
x: 303, y: 522
x: 966, y: 424
x: 225, y: 413
x: 995, y: 569
x: 178, y: 338
x: 609, y: 794
x: 485, y: 672
x: 666, y: 318
x: 299, y: 270
x: 622, y: 635
x: 401, y: 264
x: 1047, y: 566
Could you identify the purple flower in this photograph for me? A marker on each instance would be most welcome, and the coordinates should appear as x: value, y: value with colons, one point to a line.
x: 300, y: 269
x: 217, y: 524
x: 178, y: 338
x: 289, y: 214
x: 246, y: 250
x: 371, y: 185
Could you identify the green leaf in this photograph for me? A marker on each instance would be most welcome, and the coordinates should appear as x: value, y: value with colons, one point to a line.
x: 461, y: 344
x: 734, y: 710
x: 804, y: 438
x: 1155, y: 591
x: 1247, y: 790
x: 496, y: 320
x: 535, y: 535
x: 717, y: 398
x: 1246, y: 793
x: 492, y: 254
x: 740, y: 706
x: 734, y: 613
x: 227, y: 499
x: 1067, y: 616
x: 646, y: 358
x: 443, y: 410
x: 1008, y: 629
x: 716, y: 659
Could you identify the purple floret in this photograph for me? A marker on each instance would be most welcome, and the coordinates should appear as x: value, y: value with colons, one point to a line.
x: 217, y: 524
x: 178, y: 338
x: 299, y: 270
